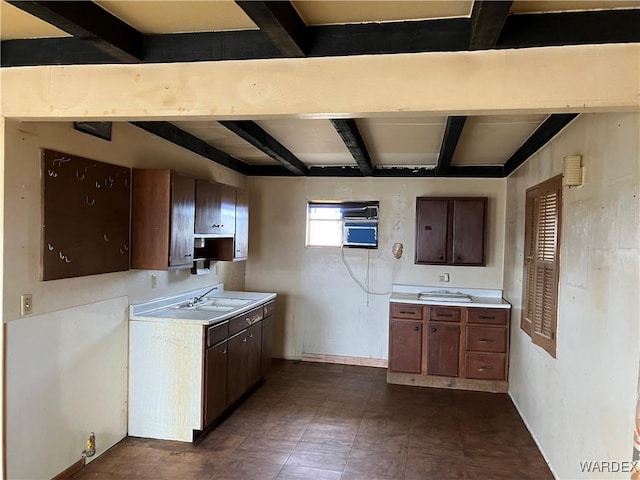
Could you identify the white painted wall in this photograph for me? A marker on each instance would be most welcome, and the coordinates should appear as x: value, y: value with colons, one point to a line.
x: 75, y: 342
x: 320, y: 309
x: 580, y: 406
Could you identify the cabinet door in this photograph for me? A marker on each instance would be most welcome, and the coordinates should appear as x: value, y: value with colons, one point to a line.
x: 443, y: 348
x: 468, y: 231
x: 405, y: 346
x: 237, y: 366
x: 150, y: 219
x: 227, y: 210
x: 242, y: 225
x: 254, y: 347
x: 431, y: 231
x: 215, y: 382
x: 182, y: 218
x: 208, y: 211
x: 267, y: 345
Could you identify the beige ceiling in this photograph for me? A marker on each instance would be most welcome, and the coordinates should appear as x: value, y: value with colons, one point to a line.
x: 391, y: 141
x: 491, y: 140
x: 179, y: 16
x: 315, y: 142
x: 14, y: 23
x: 321, y: 12
x: 223, y: 139
x: 412, y: 141
x: 537, y: 6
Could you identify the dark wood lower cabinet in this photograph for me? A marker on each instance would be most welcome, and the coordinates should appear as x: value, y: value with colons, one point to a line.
x: 448, y: 346
x: 405, y: 346
x: 237, y: 366
x: 267, y: 345
x: 254, y: 351
x: 215, y: 382
x: 443, y: 349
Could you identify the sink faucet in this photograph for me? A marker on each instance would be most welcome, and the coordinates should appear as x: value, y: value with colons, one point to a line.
x: 197, y: 300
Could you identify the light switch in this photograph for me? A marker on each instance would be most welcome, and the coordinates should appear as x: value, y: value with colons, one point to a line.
x: 26, y: 304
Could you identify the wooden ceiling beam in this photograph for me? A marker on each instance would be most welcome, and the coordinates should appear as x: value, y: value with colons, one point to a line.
x: 348, y: 131
x: 570, y: 28
x: 280, y: 22
x: 538, y: 139
x: 177, y: 136
x: 440, y: 35
x: 88, y: 21
x: 487, y: 20
x: 259, y: 138
x: 452, y: 133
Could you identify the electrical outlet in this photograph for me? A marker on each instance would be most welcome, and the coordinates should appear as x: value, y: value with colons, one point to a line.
x: 26, y: 304
x: 154, y: 281
x: 445, y: 277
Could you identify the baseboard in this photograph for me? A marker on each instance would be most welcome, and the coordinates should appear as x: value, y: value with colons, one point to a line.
x: 344, y: 360
x: 492, y: 386
x: 526, y: 424
x: 72, y: 470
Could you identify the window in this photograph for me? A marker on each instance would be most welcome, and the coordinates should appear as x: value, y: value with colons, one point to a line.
x: 350, y: 224
x: 324, y: 226
x: 541, y: 262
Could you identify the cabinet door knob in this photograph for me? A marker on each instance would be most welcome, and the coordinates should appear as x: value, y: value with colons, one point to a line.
x: 416, y: 328
x: 244, y: 340
x: 434, y: 329
x: 224, y: 351
x: 251, y: 336
x: 441, y: 257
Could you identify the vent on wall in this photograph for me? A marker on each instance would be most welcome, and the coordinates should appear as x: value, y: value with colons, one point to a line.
x: 572, y: 170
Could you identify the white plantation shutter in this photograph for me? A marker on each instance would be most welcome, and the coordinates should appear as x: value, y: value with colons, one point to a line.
x: 540, y: 283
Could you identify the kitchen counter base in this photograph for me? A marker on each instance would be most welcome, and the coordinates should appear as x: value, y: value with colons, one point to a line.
x: 454, y: 383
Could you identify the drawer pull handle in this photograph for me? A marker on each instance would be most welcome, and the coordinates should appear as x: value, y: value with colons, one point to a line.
x: 407, y: 313
x: 485, y: 367
x: 487, y: 340
x: 484, y: 317
x: 443, y: 315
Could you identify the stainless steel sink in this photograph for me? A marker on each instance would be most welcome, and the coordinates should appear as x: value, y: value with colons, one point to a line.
x: 445, y: 296
x: 226, y: 302
x: 214, y: 308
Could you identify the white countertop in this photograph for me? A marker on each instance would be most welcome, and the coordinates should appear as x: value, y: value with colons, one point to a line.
x: 486, y: 298
x: 163, y: 309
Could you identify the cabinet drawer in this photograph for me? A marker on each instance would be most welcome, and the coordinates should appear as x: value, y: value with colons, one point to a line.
x: 494, y: 316
x: 269, y: 309
x: 217, y: 333
x: 246, y: 319
x: 444, y: 314
x: 486, y: 339
x: 484, y: 367
x: 403, y: 310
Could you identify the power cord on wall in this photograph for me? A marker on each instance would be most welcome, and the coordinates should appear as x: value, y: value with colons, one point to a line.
x: 364, y: 287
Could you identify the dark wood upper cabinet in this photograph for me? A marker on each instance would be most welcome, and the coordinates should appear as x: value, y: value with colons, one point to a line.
x: 450, y: 231
x: 182, y: 217
x: 241, y: 248
x: 163, y: 210
x: 215, y: 209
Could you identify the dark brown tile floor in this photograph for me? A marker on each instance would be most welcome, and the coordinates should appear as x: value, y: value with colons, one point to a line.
x: 331, y: 422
